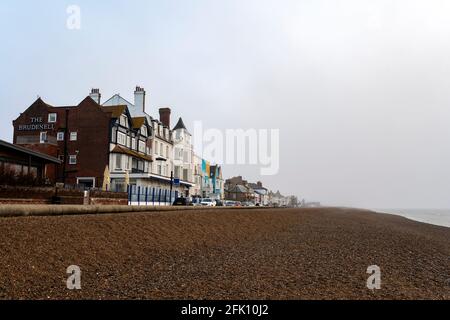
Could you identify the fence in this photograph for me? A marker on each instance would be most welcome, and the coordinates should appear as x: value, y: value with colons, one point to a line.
x: 147, y: 196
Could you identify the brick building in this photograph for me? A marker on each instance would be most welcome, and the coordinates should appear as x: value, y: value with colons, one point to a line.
x: 77, y: 135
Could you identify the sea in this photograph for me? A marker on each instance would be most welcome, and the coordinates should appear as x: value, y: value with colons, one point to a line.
x: 440, y: 217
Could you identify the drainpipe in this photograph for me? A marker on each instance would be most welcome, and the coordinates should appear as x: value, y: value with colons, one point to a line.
x: 66, y: 137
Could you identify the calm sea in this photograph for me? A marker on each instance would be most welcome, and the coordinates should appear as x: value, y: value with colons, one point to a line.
x: 440, y: 217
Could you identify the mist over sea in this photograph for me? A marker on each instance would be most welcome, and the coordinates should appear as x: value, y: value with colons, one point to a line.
x: 440, y: 217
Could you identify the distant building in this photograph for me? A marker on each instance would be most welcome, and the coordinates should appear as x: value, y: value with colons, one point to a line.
x: 261, y: 194
x: 238, y: 189
x: 217, y: 183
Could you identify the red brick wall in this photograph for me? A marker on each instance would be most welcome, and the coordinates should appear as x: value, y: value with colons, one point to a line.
x: 92, y: 146
x: 93, y: 127
x: 32, y: 195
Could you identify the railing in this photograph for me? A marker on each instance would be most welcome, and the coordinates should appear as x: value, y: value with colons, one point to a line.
x: 142, y: 196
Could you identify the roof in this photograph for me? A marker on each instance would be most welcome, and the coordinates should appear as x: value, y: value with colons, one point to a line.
x: 134, y: 111
x: 238, y: 189
x: 116, y: 111
x: 179, y: 125
x: 119, y: 149
x: 138, y: 122
x: 255, y: 186
x: 29, y: 152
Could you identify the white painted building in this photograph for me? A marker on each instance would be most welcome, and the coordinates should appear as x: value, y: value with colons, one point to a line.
x: 156, y: 178
x: 183, y: 160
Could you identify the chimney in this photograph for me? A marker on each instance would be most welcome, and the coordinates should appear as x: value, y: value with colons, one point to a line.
x: 164, y: 116
x: 95, y: 95
x: 139, y: 98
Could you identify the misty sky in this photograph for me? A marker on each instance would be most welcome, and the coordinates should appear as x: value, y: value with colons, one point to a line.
x: 359, y: 89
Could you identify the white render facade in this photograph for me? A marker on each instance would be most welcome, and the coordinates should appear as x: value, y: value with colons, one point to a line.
x: 155, y: 176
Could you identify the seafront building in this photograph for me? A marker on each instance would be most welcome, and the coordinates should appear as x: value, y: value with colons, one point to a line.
x: 117, y: 142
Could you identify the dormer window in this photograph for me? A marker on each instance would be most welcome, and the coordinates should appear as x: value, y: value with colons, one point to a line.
x: 144, y: 131
x: 124, y: 121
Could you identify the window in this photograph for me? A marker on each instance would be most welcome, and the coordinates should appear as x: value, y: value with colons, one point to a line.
x: 156, y: 147
x: 142, y: 146
x: 133, y: 144
x: 60, y: 136
x: 124, y: 121
x: 87, y: 183
x: 177, y: 172
x: 73, y: 136
x: 61, y: 157
x: 52, y: 117
x: 73, y: 159
x: 141, y: 166
x: 144, y: 130
x: 167, y: 152
x: 121, y: 138
x: 118, y: 162
x: 43, y: 137
x: 177, y: 154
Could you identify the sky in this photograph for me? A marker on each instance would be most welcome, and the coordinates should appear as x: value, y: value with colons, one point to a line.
x: 358, y: 89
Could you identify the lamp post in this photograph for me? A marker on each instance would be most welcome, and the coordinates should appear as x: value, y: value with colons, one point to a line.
x: 171, y: 185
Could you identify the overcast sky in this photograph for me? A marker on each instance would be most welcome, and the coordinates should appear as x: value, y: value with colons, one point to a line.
x: 359, y: 89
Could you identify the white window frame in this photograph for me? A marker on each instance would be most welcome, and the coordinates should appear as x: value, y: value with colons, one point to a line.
x: 119, y: 159
x: 43, y: 137
x: 71, y: 158
x: 141, y: 146
x: 50, y: 117
x: 121, y: 138
x: 74, y: 136
x: 60, y: 136
x: 124, y: 121
x: 144, y: 131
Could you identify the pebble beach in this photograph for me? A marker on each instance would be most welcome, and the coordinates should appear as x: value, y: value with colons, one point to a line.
x: 317, y: 253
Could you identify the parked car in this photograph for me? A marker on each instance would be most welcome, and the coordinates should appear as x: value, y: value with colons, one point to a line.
x: 238, y: 204
x: 248, y: 204
x: 207, y: 202
x: 197, y: 201
x: 229, y: 203
x: 182, y: 202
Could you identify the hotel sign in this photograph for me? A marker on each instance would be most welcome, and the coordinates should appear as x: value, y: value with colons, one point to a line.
x: 36, y: 124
